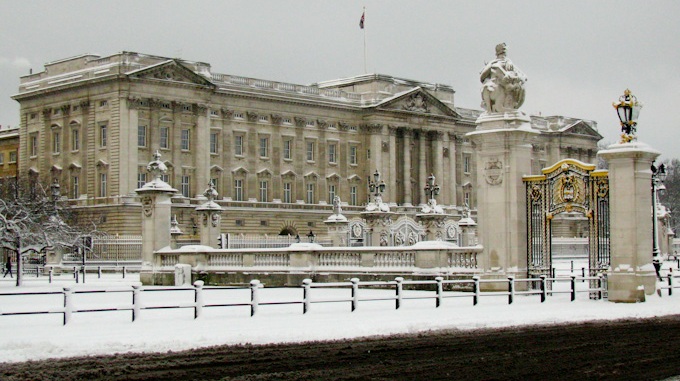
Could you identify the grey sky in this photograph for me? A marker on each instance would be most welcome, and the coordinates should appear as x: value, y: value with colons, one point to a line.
x: 579, y: 56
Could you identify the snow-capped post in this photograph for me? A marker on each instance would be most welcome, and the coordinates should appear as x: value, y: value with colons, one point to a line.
x: 155, y: 198
x: 544, y: 288
x: 209, y: 216
x: 136, y: 307
x: 198, y: 299
x: 399, y: 285
x: 440, y: 290
x: 68, y: 304
x: 573, y: 288
x: 511, y: 289
x: 475, y: 290
x: 50, y: 274
x: 306, y: 290
x: 254, y: 297
x: 355, y: 293
x: 99, y: 272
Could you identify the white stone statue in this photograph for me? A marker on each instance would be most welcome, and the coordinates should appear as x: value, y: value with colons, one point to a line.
x: 503, y: 84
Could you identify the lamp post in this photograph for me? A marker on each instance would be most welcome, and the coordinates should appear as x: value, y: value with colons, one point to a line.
x: 311, y: 236
x: 377, y: 187
x: 658, y: 177
x: 628, y: 110
x: 431, y: 189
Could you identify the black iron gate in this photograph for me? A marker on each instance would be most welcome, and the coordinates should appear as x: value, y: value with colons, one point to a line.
x: 567, y: 186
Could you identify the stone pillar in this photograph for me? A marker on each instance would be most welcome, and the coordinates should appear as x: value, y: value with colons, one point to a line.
x: 468, y: 228
x: 422, y: 166
x: 503, y: 156
x: 393, y: 164
x: 201, y: 147
x: 630, y: 211
x: 378, y: 225
x: 453, y: 179
x: 155, y: 196
x: 407, y: 167
x: 438, y: 159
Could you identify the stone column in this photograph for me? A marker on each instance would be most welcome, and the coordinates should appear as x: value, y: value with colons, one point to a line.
x: 201, y: 147
x: 422, y: 166
x: 452, y: 175
x: 407, y: 167
x: 630, y: 213
x: 129, y: 153
x: 438, y: 161
x: 503, y: 157
x: 392, y: 180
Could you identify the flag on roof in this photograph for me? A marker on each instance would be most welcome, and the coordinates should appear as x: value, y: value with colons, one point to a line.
x: 361, y: 22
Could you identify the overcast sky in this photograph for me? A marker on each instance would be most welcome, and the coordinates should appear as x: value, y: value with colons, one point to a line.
x: 579, y: 56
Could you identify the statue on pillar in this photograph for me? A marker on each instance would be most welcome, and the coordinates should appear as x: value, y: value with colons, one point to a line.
x: 502, y: 84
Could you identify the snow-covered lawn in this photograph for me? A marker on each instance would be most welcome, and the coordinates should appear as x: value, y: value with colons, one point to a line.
x: 32, y: 337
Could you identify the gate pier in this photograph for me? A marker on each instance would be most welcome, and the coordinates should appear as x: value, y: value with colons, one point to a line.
x: 632, y: 274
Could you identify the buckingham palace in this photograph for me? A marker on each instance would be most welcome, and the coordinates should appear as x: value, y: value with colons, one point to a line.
x: 277, y: 153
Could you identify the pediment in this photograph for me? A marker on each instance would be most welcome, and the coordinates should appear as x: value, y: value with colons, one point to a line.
x: 172, y: 71
x: 417, y: 101
x: 581, y: 128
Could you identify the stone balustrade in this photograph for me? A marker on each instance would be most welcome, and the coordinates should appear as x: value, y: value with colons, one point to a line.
x: 425, y: 257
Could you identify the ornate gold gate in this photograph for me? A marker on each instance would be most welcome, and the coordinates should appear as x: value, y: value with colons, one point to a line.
x: 567, y: 186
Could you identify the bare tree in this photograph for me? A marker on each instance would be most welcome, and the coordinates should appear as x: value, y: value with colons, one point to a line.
x: 33, y: 221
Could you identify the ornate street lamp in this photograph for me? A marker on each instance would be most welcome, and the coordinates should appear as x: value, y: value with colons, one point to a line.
x: 628, y: 110
x: 377, y: 187
x: 431, y: 189
x: 658, y: 177
x: 311, y: 236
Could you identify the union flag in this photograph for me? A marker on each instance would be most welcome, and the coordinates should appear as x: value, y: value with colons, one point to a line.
x: 361, y: 22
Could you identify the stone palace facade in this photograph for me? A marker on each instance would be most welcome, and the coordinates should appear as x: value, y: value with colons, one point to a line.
x: 276, y: 152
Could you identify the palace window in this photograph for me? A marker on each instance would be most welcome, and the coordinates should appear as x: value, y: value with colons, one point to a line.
x: 56, y: 142
x: 215, y: 182
x: 102, y: 184
x: 2, y: 158
x: 185, y: 140
x: 310, y: 193
x: 288, y: 149
x: 264, y: 191
x: 310, y: 151
x: 141, y: 136
x: 75, y: 139
x: 353, y: 195
x: 332, y: 156
x: 287, y: 196
x: 264, y: 147
x: 75, y: 187
x: 103, y: 128
x: 164, y: 135
x: 238, y: 190
x: 213, y: 142
x: 12, y: 157
x: 466, y: 199
x: 466, y: 163
x: 184, y: 186
x: 34, y: 145
x: 331, y: 193
x: 141, y: 179
x: 238, y: 145
x: 165, y: 178
x: 353, y: 155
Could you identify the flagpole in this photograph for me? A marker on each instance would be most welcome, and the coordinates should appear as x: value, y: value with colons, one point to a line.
x: 364, y: 28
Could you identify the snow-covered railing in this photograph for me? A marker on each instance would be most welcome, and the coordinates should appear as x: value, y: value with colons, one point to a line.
x: 424, y: 257
x: 312, y: 294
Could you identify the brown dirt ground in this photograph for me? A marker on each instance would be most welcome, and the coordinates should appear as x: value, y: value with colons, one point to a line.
x: 643, y: 349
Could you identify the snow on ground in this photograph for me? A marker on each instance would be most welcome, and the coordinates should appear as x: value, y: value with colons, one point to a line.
x: 34, y: 337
